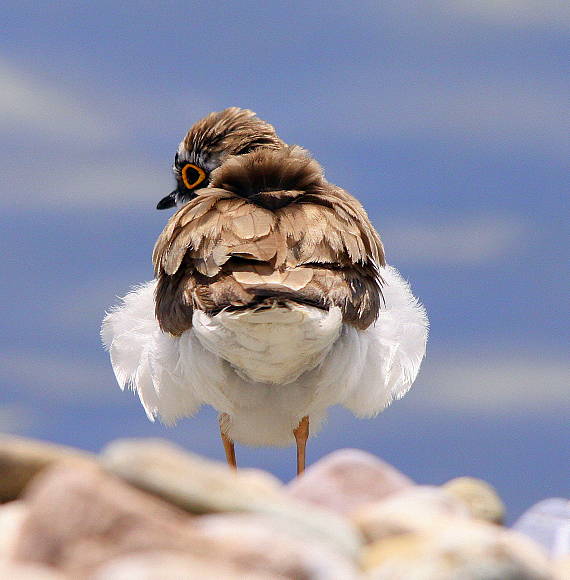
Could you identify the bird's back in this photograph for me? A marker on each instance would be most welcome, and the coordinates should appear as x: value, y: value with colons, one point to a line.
x: 270, y: 233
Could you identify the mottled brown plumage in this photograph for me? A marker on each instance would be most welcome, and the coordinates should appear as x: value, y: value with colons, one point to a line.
x: 233, y: 131
x: 268, y: 228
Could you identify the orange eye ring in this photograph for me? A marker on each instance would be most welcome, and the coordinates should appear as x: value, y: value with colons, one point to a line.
x: 192, y: 175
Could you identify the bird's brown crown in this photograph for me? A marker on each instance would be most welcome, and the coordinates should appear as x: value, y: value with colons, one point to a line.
x: 233, y: 131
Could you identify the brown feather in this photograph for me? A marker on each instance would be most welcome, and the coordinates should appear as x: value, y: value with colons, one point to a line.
x: 270, y: 227
x: 233, y: 131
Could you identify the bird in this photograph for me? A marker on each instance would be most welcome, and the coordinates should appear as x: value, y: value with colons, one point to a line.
x: 272, y: 301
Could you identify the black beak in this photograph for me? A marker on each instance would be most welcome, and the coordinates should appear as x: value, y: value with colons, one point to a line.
x: 168, y: 201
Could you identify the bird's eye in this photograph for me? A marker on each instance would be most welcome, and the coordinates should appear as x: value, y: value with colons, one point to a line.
x: 192, y: 175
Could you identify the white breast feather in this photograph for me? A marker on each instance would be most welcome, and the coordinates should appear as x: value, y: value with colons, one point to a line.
x: 274, y: 345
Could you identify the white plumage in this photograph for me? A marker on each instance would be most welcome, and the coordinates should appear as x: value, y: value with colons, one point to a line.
x: 268, y: 369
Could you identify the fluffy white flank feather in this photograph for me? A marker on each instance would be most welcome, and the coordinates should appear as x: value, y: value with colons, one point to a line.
x: 268, y: 369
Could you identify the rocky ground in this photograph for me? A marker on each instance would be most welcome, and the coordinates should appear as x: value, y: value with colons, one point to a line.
x: 148, y: 510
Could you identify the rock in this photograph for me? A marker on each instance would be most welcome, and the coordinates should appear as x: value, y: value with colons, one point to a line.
x: 416, y: 509
x: 562, y: 568
x: 187, y: 480
x: 11, y: 517
x: 264, y: 544
x: 483, y: 501
x: 346, y: 480
x: 85, y: 522
x: 17, y: 571
x: 466, y: 549
x: 548, y: 523
x: 21, y: 459
x: 80, y: 517
x: 172, y: 566
x: 203, y: 486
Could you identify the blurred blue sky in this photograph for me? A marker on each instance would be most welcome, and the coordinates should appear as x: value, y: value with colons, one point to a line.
x: 448, y: 119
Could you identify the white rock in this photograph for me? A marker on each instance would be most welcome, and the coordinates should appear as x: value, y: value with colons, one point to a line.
x: 346, y: 480
x: 416, y: 509
x: 172, y: 566
x: 548, y: 523
x: 461, y: 550
x: 269, y: 544
x: 483, y: 501
x: 12, y: 515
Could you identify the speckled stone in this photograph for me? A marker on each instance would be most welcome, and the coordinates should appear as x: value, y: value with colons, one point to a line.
x: 548, y: 523
x: 462, y: 549
x: 347, y: 479
x: 481, y: 498
x: 416, y: 509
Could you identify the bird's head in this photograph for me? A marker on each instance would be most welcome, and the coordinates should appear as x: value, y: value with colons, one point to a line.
x: 209, y: 142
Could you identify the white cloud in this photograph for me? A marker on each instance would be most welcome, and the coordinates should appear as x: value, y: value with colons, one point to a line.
x: 511, y: 12
x: 90, y: 302
x: 59, y: 378
x: 91, y: 167
x: 494, y: 383
x: 435, y: 15
x: 28, y: 103
x: 75, y: 183
x: 466, y: 242
x: 499, y: 113
x: 451, y: 97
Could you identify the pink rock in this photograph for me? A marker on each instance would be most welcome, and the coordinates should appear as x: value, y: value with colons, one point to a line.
x: 201, y: 486
x: 85, y: 523
x: 78, y: 517
x: 562, y: 568
x: 16, y: 571
x: 173, y: 566
x: 268, y: 545
x: 346, y: 480
x: 21, y: 459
